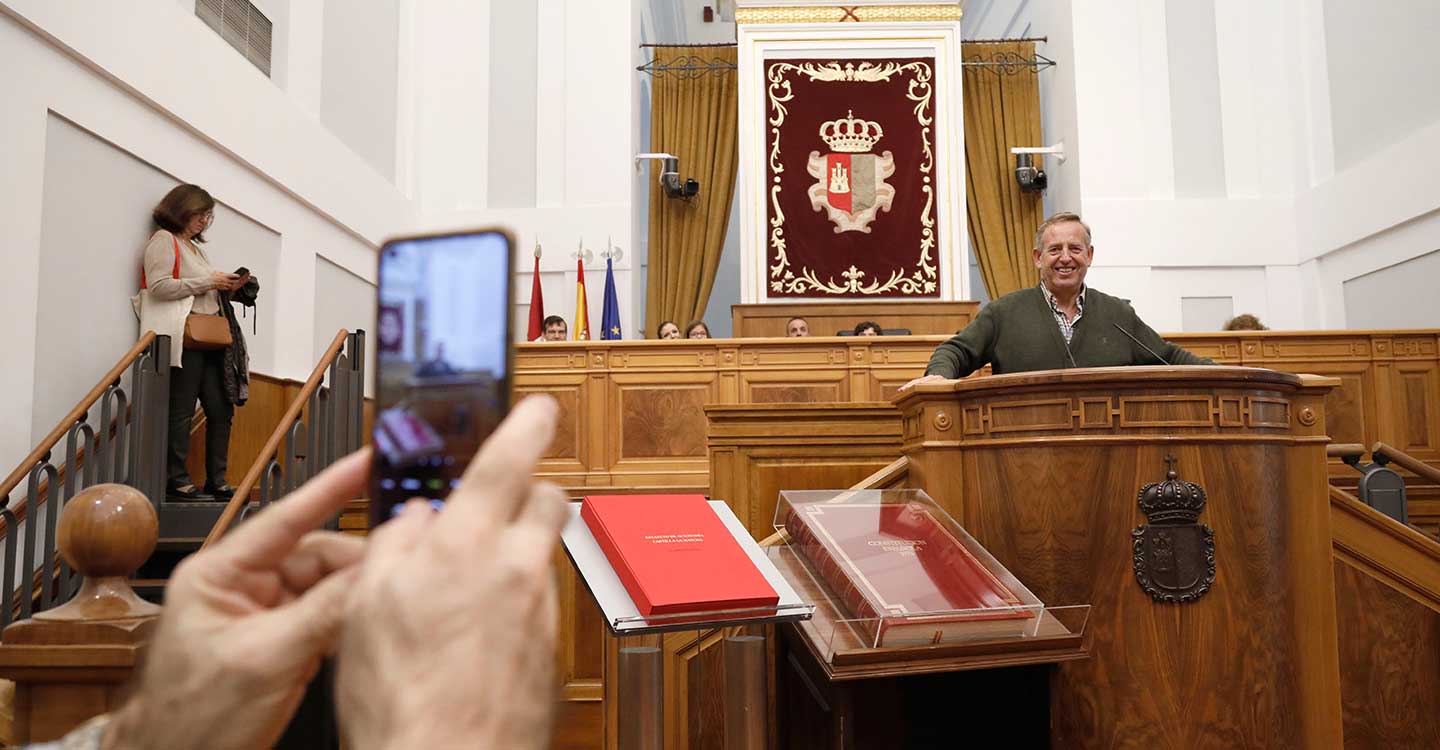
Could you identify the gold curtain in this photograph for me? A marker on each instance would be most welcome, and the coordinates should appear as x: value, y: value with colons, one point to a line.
x: 1002, y: 109
x: 693, y: 118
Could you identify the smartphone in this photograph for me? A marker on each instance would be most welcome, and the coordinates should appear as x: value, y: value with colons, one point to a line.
x: 443, y: 359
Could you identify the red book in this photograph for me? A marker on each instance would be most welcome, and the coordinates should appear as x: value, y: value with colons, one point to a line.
x: 888, y: 563
x: 674, y: 555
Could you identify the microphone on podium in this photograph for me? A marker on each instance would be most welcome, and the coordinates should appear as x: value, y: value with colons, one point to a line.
x: 1131, y: 336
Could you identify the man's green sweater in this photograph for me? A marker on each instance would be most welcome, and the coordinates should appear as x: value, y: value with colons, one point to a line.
x: 1018, y: 332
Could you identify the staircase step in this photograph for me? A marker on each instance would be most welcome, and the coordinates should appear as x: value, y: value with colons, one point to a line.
x: 179, y: 544
x: 150, y: 589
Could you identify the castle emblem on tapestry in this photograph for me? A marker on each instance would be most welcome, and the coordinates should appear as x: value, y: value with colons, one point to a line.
x: 850, y: 184
x: 851, y: 199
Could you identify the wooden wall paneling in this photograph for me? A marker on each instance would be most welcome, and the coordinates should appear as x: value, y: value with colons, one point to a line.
x: 791, y: 387
x: 857, y: 385
x: 759, y: 449
x: 1415, y: 404
x: 1387, y: 588
x: 826, y: 318
x: 768, y: 471
x: 1423, y: 503
x: 581, y: 662
x: 782, y: 372
x: 1350, y: 409
x: 1389, y: 664
x: 1226, y: 350
x: 249, y: 428
x: 568, y: 459
x: 893, y: 365
x: 657, y: 426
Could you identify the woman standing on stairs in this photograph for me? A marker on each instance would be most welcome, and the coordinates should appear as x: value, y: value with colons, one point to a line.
x: 182, y: 296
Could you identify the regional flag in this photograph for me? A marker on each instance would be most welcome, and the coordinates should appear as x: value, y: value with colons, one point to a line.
x: 582, y: 313
x: 537, y: 302
x: 610, y: 313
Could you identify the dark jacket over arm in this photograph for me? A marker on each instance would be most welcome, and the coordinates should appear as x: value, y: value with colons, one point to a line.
x: 966, y: 351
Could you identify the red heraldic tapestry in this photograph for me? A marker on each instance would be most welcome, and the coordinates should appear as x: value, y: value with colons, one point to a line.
x: 851, y: 208
x: 674, y: 555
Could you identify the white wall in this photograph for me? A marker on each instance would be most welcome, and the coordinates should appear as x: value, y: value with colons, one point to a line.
x: 1383, y: 72
x: 583, y: 139
x: 95, y: 217
x: 359, y: 78
x: 1253, y: 146
x: 1397, y: 296
x: 344, y: 299
x: 514, y: 67
x: 191, y: 109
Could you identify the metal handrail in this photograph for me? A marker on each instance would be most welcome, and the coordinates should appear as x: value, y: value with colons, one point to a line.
x: 127, y: 447
x: 311, y: 448
x: 81, y: 409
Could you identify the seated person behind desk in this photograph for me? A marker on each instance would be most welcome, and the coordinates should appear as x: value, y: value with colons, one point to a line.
x: 554, y: 329
x: 1057, y: 324
x: 697, y: 330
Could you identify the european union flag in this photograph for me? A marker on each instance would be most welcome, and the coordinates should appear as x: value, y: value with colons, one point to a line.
x: 610, y: 316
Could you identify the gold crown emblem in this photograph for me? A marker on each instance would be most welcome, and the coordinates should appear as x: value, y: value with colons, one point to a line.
x: 851, y: 135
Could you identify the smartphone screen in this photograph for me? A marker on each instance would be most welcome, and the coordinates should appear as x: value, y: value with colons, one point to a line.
x: 443, y: 359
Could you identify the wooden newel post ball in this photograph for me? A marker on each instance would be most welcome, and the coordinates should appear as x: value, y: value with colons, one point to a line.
x: 106, y: 533
x: 108, y: 530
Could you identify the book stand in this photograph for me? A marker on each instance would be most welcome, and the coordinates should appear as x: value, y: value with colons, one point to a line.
x: 865, y: 668
x: 640, y: 667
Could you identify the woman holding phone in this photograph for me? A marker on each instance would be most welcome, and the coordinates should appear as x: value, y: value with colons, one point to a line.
x: 184, y: 297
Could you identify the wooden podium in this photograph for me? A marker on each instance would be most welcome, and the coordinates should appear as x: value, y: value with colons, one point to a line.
x: 1044, y: 469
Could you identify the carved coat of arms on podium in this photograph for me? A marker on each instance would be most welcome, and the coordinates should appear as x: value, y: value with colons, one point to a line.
x: 1174, y: 556
x: 850, y: 180
x: 851, y: 202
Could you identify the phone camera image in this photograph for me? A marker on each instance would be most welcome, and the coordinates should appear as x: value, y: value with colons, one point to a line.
x: 443, y: 354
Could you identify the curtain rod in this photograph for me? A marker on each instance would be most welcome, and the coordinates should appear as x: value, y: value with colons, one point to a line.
x: 687, y: 67
x: 1002, y: 41
x: 697, y: 44
x: 1009, y: 63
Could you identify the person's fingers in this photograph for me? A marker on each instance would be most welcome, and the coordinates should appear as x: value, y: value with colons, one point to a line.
x: 319, y: 554
x: 545, y: 507
x: 307, y: 627
x: 496, y: 481
x: 393, y: 541
x: 265, y: 539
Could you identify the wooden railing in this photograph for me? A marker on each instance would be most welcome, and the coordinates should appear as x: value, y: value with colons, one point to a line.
x: 333, y: 413
x: 1380, y: 451
x: 128, y: 448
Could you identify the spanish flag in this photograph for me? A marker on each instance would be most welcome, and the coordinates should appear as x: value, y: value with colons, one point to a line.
x: 582, y: 313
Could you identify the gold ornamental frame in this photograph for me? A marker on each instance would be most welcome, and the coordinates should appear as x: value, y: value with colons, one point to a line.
x: 850, y: 14
x: 784, y: 278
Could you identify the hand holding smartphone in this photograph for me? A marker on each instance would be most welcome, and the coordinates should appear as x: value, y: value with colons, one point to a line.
x: 444, y: 361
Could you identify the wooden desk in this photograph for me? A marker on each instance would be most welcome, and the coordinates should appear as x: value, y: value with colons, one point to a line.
x: 1044, y: 468
x: 758, y: 450
x: 826, y: 318
x: 634, y: 410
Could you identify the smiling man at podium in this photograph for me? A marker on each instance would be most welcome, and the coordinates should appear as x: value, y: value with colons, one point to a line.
x: 1056, y: 324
